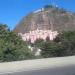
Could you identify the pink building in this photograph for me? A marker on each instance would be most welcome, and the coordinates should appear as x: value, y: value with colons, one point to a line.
x: 36, y: 34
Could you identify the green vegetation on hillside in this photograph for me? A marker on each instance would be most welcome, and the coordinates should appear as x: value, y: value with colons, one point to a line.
x: 12, y: 47
x: 62, y: 45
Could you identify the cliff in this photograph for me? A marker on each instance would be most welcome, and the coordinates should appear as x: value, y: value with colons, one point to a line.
x: 51, y: 18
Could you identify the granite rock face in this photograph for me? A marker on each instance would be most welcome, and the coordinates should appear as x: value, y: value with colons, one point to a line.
x: 47, y: 19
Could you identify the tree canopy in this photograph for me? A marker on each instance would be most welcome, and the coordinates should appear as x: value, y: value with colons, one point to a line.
x: 12, y: 47
x: 62, y: 45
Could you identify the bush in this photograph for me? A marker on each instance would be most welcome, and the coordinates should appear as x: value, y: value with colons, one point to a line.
x: 12, y: 47
x: 62, y: 45
x: 51, y: 49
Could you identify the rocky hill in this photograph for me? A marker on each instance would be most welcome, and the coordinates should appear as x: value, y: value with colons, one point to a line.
x: 48, y: 18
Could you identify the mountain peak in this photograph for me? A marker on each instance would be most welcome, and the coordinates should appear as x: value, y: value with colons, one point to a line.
x: 47, y: 18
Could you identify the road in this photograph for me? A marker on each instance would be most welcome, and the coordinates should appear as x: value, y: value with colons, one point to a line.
x: 48, y: 66
x: 69, y: 70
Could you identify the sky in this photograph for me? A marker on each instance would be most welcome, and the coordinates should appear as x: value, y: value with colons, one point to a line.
x: 12, y: 11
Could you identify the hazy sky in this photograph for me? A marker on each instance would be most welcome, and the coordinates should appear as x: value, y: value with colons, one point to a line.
x: 12, y: 11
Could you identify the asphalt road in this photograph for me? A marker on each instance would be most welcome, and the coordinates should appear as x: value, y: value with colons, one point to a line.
x: 68, y: 70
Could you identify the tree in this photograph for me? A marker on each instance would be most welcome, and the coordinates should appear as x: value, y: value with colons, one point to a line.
x: 12, y: 47
x: 38, y: 43
x: 48, y: 6
x: 67, y: 39
x: 62, y: 45
x: 52, y: 49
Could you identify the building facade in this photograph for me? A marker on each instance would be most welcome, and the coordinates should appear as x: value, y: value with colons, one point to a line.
x: 39, y: 34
